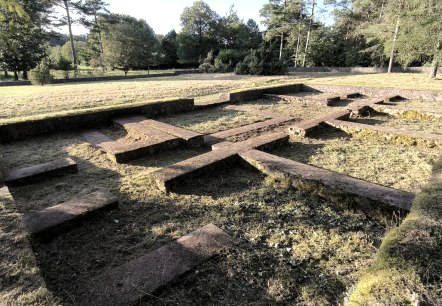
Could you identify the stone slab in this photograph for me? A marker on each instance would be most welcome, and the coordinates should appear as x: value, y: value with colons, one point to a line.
x: 243, y: 95
x: 223, y: 99
x: 327, y: 183
x: 220, y: 136
x: 323, y: 99
x: 331, y: 99
x: 132, y: 124
x: 307, y: 127
x: 59, y: 218
x: 37, y: 173
x: 352, y: 95
x: 191, y: 138
x: 121, y: 153
x: 167, y: 178
x: 392, y: 98
x: 100, y: 140
x: 263, y: 142
x: 359, y: 127
x: 129, y: 283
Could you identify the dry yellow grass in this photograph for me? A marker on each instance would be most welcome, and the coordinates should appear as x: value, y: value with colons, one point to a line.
x: 37, y: 100
x: 397, y: 166
x: 290, y: 247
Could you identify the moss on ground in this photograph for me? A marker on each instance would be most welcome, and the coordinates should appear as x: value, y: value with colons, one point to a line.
x: 408, y: 269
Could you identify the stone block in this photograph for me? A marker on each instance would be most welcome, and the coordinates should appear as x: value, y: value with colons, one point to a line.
x: 216, y: 137
x: 307, y: 127
x: 129, y: 283
x: 263, y: 142
x: 167, y: 178
x: 59, y: 218
x: 191, y: 138
x: 327, y: 183
x: 37, y: 173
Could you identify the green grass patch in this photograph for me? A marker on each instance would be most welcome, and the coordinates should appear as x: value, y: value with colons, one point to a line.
x: 408, y: 268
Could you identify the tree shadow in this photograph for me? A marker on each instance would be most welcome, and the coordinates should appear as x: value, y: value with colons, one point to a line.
x: 221, y: 183
x: 342, y: 103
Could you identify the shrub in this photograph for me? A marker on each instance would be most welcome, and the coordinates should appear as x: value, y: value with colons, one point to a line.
x: 242, y: 68
x: 225, y: 61
x: 206, y: 65
x: 42, y: 73
x: 264, y: 61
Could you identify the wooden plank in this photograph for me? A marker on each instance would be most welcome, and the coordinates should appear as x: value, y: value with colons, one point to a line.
x: 328, y: 183
x: 59, y: 218
x: 129, y: 283
x: 28, y: 175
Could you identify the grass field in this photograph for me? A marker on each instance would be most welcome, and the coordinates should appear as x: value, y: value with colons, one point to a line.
x: 37, y: 100
x: 401, y: 167
x: 213, y: 120
x: 291, y: 247
x: 427, y: 126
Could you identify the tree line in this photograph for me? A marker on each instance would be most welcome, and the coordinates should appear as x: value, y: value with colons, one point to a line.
x: 365, y: 33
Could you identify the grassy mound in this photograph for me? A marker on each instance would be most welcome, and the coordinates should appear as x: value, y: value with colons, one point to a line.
x: 408, y: 269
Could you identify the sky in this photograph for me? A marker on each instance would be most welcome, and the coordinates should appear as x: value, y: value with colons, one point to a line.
x: 164, y: 15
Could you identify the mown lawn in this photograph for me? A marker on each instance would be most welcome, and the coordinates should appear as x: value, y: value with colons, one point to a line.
x: 19, y: 102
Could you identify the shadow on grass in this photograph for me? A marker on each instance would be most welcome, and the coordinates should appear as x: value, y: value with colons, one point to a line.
x: 237, y: 199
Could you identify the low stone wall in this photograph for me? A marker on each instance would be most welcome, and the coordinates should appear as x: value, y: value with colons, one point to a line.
x: 358, y: 69
x: 90, y: 119
x: 105, y: 78
x: 426, y: 95
x: 113, y: 78
x: 255, y: 94
x: 15, y: 83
